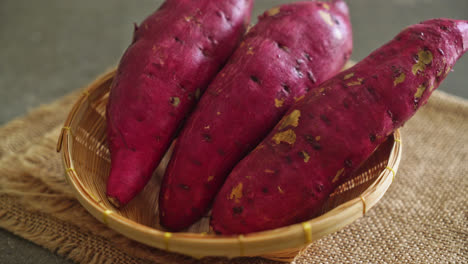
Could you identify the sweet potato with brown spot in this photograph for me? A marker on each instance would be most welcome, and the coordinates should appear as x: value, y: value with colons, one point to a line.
x: 327, y: 135
x: 175, y: 54
x: 290, y: 51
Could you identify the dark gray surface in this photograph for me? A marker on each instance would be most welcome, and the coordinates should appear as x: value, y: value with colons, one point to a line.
x: 51, y: 47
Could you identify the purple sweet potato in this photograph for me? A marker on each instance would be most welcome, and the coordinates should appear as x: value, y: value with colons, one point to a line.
x: 175, y: 54
x: 323, y: 138
x: 290, y: 51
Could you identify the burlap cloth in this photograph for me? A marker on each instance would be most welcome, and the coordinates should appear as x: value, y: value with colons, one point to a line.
x: 421, y: 219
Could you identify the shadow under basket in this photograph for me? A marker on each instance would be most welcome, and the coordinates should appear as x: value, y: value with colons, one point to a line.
x: 87, y: 162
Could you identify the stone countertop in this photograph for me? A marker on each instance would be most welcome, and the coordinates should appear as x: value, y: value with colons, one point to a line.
x: 49, y: 48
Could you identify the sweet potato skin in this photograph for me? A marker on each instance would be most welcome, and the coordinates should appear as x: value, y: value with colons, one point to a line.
x: 175, y: 53
x: 290, y: 51
x: 327, y: 135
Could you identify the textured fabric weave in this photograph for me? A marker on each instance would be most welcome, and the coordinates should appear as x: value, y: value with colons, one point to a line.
x: 421, y: 219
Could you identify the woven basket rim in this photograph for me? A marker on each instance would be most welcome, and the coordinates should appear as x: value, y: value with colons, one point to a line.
x: 255, y: 244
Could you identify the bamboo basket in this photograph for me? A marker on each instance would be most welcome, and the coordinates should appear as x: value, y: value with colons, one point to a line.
x: 87, y: 162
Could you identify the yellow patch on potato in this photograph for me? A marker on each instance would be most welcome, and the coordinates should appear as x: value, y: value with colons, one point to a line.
x: 420, y: 91
x: 269, y: 171
x: 424, y: 58
x: 236, y: 193
x: 347, y: 76
x: 175, y: 101
x: 197, y: 93
x: 287, y: 136
x: 259, y: 147
x: 248, y: 177
x: 326, y: 6
x: 326, y: 17
x: 242, y: 44
x: 188, y: 18
x: 358, y: 82
x: 250, y: 51
x: 280, y: 190
x: 290, y: 120
x: 279, y: 102
x: 297, y: 99
x: 338, y: 174
x: 206, y: 127
x: 218, y: 113
x: 273, y: 11
x: 210, y: 178
x: 317, y: 138
x: 306, y: 156
x: 399, y: 79
x: 448, y: 70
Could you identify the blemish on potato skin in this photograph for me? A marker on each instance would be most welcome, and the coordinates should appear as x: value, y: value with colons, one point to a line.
x: 338, y: 174
x: 311, y: 77
x: 325, y: 119
x: 210, y: 178
x: 236, y: 193
x: 185, y: 187
x: 290, y: 120
x: 283, y: 47
x: 348, y: 163
x: 175, y: 101
x: 399, y: 79
x: 279, y: 102
x: 254, y: 79
x: 287, y: 136
x: 423, y: 58
x: 347, y: 76
x: 448, y: 70
x: 418, y: 94
x: 206, y: 137
x: 286, y: 88
x: 237, y: 210
x: 218, y: 113
x: 326, y: 17
x: 358, y: 82
x: 250, y: 51
x: 420, y: 91
x: 273, y: 11
x: 315, y: 144
x: 297, y: 99
x: 280, y: 190
x: 264, y: 190
x: 270, y: 171
x: 305, y: 156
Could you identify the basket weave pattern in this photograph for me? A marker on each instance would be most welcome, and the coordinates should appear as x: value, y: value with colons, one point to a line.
x: 87, y: 162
